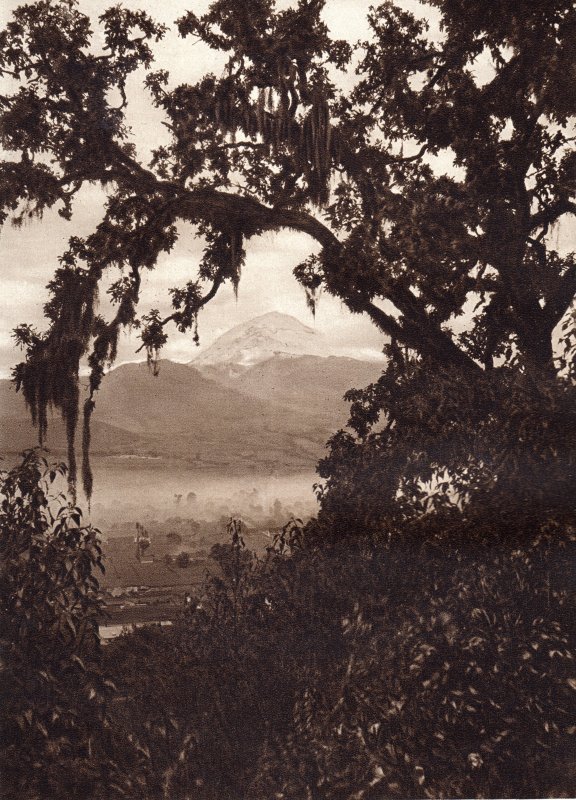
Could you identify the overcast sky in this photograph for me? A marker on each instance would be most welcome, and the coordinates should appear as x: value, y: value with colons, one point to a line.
x: 29, y: 255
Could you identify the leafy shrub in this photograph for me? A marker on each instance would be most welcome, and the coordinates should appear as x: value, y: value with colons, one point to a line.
x: 440, y: 665
x: 457, y: 676
x: 421, y: 440
x: 53, y: 690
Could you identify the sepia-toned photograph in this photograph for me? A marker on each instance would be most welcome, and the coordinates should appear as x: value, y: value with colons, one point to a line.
x: 287, y: 399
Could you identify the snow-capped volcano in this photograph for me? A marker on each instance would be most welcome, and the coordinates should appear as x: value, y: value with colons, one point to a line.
x: 261, y: 339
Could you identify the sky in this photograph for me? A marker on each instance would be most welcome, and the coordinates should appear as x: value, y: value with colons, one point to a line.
x: 28, y: 256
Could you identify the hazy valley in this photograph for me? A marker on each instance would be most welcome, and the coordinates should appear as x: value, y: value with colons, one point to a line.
x: 238, y: 428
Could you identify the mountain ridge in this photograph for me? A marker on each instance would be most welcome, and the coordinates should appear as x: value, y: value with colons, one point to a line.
x: 274, y: 410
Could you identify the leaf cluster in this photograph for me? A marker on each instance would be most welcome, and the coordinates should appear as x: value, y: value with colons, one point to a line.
x: 54, y: 692
x: 443, y: 669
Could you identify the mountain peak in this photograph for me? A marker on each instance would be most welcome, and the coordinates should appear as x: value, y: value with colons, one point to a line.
x: 274, y: 318
x: 260, y: 339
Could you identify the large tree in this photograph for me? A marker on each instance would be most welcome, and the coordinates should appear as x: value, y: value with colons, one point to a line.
x: 272, y: 143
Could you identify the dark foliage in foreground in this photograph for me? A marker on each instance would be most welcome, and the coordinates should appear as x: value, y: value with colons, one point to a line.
x: 443, y: 669
x: 432, y: 654
x: 436, y: 664
x: 53, y: 692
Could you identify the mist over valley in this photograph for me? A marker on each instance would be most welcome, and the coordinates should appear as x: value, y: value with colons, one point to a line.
x: 234, y: 431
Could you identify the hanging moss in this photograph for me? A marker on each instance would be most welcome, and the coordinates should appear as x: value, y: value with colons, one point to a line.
x: 87, y: 477
x: 49, y: 376
x: 260, y: 110
x: 236, y: 257
x: 290, y: 121
x: 272, y: 116
x: 70, y: 416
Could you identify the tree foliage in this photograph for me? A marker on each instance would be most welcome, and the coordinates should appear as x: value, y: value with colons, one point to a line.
x: 53, y: 688
x: 443, y: 669
x: 422, y: 443
x: 438, y: 665
x: 272, y: 143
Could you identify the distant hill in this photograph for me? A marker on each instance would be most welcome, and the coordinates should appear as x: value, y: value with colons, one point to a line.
x: 306, y: 383
x: 273, y: 411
